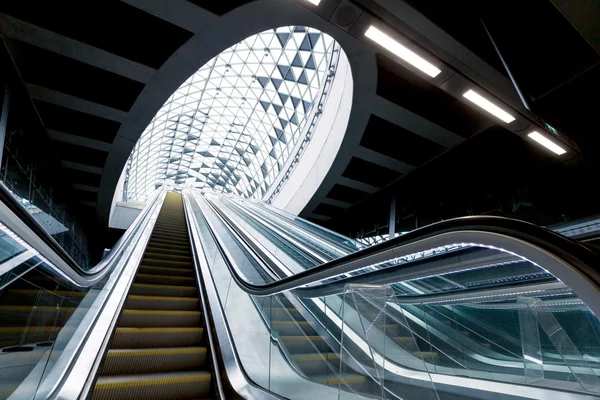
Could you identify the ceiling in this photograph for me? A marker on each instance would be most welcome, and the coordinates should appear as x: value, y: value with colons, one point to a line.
x: 96, y: 86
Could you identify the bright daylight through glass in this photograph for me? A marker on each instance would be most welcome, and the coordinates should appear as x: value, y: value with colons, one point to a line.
x: 233, y: 124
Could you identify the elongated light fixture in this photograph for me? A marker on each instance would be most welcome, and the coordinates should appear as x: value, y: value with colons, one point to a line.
x: 315, y: 2
x: 547, y: 143
x: 488, y: 106
x: 401, y: 51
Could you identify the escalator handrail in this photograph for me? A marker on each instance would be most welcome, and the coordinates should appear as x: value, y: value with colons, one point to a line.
x: 571, y: 253
x: 70, y: 269
x: 10, y: 201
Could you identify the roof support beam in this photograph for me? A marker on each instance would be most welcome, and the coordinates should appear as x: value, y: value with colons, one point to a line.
x: 14, y: 28
x: 415, y: 123
x: 85, y: 188
x: 75, y: 103
x: 364, y: 187
x: 383, y: 160
x: 79, y: 140
x: 182, y: 13
x: 337, y: 203
x: 81, y: 167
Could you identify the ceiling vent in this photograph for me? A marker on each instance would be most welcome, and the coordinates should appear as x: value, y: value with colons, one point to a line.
x: 345, y: 15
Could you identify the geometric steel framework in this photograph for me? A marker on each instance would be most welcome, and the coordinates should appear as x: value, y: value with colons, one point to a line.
x: 233, y: 124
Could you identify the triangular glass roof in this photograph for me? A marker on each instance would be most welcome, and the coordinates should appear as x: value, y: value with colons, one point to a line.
x: 230, y: 124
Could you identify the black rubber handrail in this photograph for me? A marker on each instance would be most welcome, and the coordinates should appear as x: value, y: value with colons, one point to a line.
x: 12, y: 203
x: 17, y: 208
x: 575, y: 254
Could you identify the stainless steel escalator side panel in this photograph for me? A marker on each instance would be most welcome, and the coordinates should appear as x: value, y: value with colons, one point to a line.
x: 239, y: 379
x: 235, y: 372
x: 79, y: 361
x: 198, y: 260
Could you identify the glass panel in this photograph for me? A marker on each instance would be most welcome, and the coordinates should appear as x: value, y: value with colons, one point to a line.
x: 41, y: 313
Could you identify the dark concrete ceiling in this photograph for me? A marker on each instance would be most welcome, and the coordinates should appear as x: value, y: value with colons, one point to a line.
x: 98, y: 79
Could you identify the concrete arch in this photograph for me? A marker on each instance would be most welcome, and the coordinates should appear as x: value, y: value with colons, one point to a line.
x: 210, y: 40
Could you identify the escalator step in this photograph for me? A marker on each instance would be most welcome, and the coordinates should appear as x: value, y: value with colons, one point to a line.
x: 143, y: 338
x: 318, y: 363
x: 348, y: 379
x: 164, y: 256
x: 304, y: 344
x: 405, y: 339
x: 177, y: 244
x: 42, y: 315
x: 290, y: 328
x: 169, y: 280
x: 166, y: 250
x: 161, y: 303
x: 163, y: 290
x: 163, y: 386
x: 25, y: 335
x: 316, y: 357
x: 171, y: 271
x: 35, y: 292
x: 170, y: 232
x: 279, y: 313
x: 162, y: 318
x: 148, y: 361
x: 147, y: 261
x: 427, y: 355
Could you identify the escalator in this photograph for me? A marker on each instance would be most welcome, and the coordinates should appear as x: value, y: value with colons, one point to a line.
x: 178, y: 310
x: 158, y: 350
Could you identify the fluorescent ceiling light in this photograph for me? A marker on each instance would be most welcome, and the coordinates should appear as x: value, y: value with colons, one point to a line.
x: 489, y: 106
x: 547, y: 143
x: 315, y: 2
x: 407, y: 55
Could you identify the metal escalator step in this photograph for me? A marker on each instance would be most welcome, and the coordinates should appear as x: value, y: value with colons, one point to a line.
x: 279, y: 313
x: 180, y: 246
x: 25, y: 335
x: 318, y: 363
x: 164, y: 263
x: 171, y: 280
x: 316, y: 357
x: 164, y: 240
x: 170, y: 236
x: 36, y: 292
x: 166, y: 256
x: 170, y: 231
x: 163, y: 290
x: 166, y: 250
x: 143, y: 338
x: 163, y: 247
x: 171, y: 271
x: 137, y: 302
x: 162, y: 318
x: 42, y: 315
x: 304, y: 344
x: 290, y: 328
x: 348, y: 379
x: 427, y: 355
x: 404, y: 339
x: 148, y: 361
x: 163, y: 386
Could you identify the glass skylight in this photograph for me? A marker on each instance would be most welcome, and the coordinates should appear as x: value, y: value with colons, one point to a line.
x: 233, y: 124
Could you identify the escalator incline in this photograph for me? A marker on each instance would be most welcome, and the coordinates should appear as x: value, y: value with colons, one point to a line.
x: 157, y: 348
